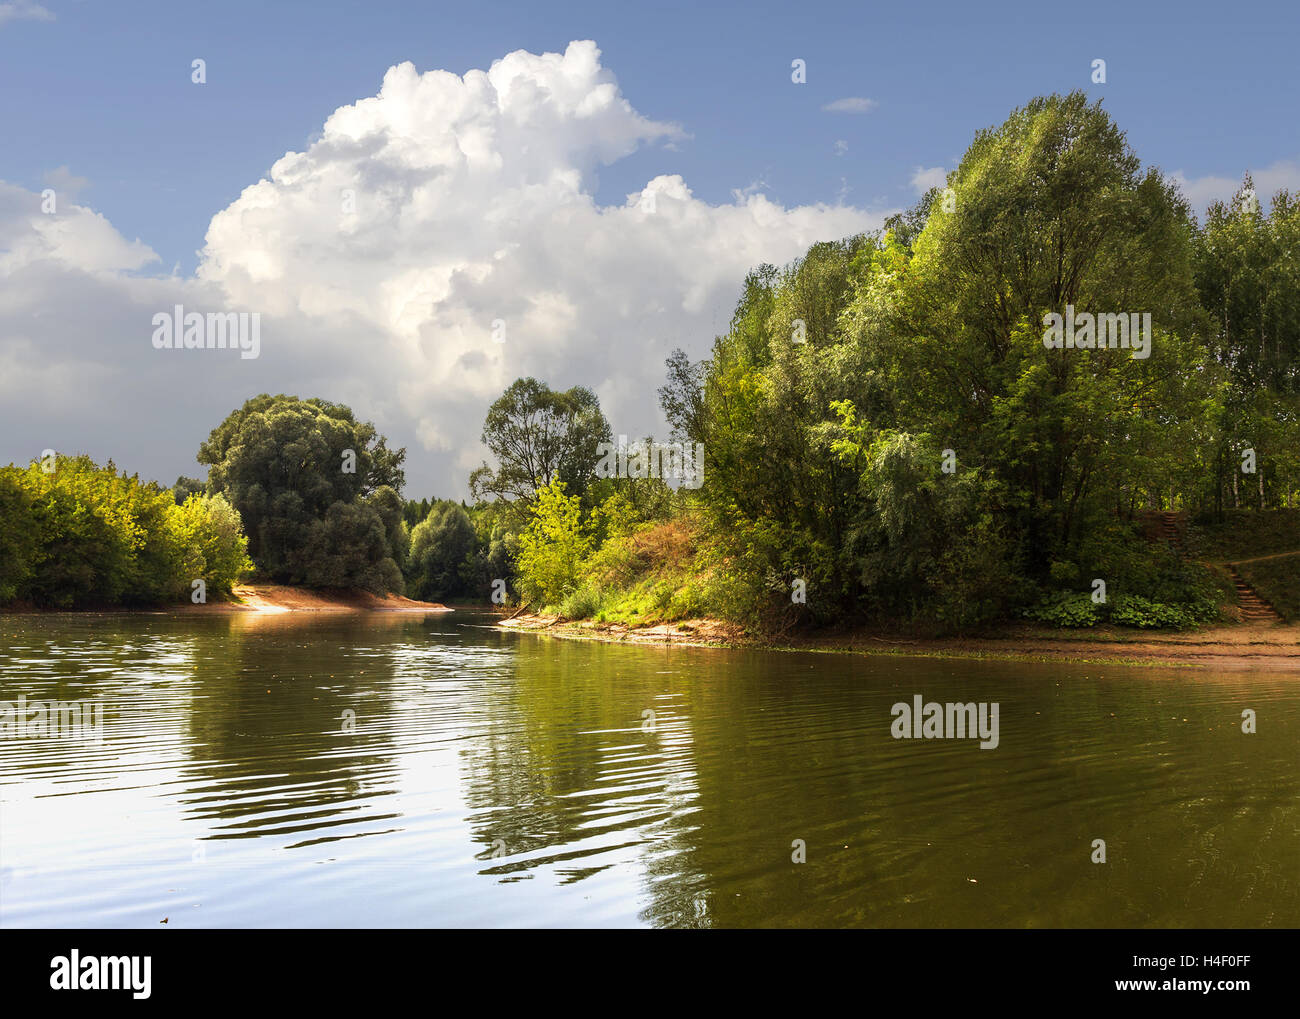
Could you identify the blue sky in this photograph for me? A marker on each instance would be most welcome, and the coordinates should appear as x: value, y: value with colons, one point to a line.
x: 104, y: 88
x: 504, y: 196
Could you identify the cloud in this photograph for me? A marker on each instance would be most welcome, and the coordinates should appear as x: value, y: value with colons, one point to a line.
x: 23, y: 10
x: 67, y: 185
x: 382, y: 258
x: 852, y: 104
x: 1200, y: 192
x: 924, y: 178
x: 67, y: 234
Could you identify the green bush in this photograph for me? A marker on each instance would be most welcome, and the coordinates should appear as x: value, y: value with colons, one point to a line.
x: 1144, y: 614
x: 584, y: 603
x: 1066, y: 609
x: 208, y: 530
x: 1074, y: 609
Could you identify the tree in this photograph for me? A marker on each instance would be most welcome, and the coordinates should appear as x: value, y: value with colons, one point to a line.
x: 348, y: 548
x: 185, y: 487
x: 299, y: 473
x: 208, y: 529
x: 17, y: 535
x: 385, y: 501
x: 440, y: 546
x: 539, y: 436
x: 1052, y: 211
x: 99, y: 537
x: 553, y: 547
x: 1248, y: 277
x: 681, y: 398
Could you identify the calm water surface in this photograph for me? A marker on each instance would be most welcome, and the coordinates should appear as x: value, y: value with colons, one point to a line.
x: 398, y: 770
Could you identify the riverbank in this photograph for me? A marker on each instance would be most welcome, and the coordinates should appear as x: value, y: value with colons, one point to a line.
x: 1272, y: 648
x: 278, y: 599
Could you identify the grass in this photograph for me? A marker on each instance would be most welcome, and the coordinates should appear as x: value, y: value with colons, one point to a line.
x: 1244, y: 534
x: 647, y: 578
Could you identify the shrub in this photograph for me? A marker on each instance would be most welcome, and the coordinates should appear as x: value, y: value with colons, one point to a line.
x: 1065, y: 608
x: 208, y: 531
x: 584, y: 603
x: 553, y: 547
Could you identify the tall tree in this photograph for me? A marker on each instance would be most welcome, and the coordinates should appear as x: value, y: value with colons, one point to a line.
x: 539, y: 436
x: 287, y: 465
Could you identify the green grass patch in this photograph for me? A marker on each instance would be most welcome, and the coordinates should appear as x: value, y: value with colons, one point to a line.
x: 1244, y: 534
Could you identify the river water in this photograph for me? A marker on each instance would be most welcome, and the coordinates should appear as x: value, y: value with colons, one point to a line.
x: 411, y: 770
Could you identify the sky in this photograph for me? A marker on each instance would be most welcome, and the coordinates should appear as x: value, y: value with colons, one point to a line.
x: 424, y: 201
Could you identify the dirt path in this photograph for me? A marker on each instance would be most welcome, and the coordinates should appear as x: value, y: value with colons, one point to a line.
x: 1261, y: 558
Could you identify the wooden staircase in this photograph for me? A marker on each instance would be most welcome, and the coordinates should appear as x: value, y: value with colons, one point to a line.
x: 1171, y: 532
x: 1254, y: 609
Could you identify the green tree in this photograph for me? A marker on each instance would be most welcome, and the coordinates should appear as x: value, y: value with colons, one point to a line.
x: 349, y: 548
x: 1248, y: 277
x: 539, y: 436
x: 185, y: 487
x: 101, y: 538
x: 299, y: 473
x: 440, y: 546
x: 1051, y: 210
x: 209, y: 531
x: 18, y: 537
x: 553, y: 547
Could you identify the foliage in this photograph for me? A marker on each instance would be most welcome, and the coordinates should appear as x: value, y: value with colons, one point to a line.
x: 553, y: 547
x: 539, y: 436
x: 305, y: 476
x: 85, y: 535
x: 208, y: 529
x: 348, y: 549
x: 890, y: 439
x: 17, y: 535
x: 1065, y: 609
x: 440, y: 546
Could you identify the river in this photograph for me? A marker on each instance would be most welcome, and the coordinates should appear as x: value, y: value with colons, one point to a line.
x: 411, y: 770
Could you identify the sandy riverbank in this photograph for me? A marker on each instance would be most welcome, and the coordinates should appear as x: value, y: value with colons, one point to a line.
x: 1272, y: 648
x: 278, y: 599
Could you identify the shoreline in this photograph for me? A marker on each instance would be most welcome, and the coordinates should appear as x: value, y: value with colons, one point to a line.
x: 1274, y: 648
x: 268, y: 599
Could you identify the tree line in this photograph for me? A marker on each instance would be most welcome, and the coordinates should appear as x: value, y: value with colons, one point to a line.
x: 889, y: 433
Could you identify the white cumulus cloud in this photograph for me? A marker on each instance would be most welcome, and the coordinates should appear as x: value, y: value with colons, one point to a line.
x: 926, y: 177
x: 1200, y: 192
x: 384, y: 258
